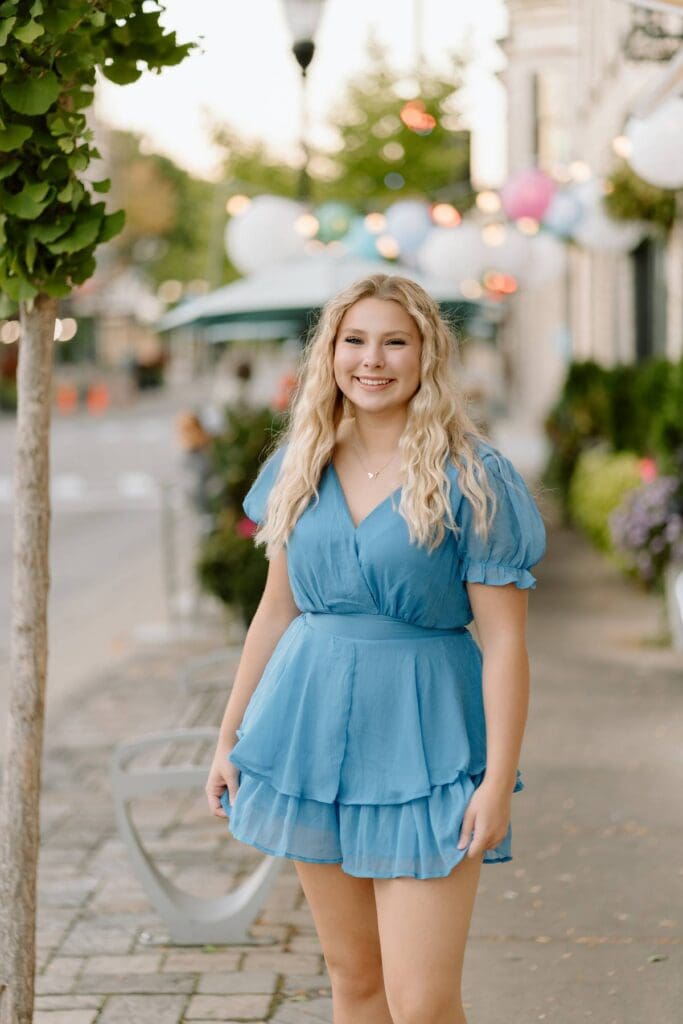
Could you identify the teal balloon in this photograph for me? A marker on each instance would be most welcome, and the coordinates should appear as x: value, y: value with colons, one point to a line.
x: 334, y: 220
x: 361, y: 242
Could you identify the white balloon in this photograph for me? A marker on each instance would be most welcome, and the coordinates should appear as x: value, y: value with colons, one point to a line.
x: 511, y: 256
x: 409, y: 222
x: 453, y: 253
x: 657, y: 144
x: 597, y: 230
x: 265, y: 233
x: 547, y: 261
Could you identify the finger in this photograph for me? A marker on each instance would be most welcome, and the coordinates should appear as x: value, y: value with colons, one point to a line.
x: 466, y: 829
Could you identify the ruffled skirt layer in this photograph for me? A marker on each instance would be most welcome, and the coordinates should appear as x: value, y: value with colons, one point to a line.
x: 364, y: 750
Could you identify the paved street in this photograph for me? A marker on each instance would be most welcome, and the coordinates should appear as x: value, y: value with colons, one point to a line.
x: 583, y: 925
x: 106, y: 555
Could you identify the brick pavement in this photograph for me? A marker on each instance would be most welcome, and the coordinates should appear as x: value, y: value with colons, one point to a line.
x: 583, y: 925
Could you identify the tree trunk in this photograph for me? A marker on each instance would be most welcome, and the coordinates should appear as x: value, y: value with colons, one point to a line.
x: 19, y: 817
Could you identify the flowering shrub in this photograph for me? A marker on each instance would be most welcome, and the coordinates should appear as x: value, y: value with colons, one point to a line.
x: 598, y: 485
x: 648, y: 527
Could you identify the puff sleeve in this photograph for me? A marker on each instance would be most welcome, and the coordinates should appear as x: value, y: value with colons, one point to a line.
x: 254, y: 503
x: 517, y: 536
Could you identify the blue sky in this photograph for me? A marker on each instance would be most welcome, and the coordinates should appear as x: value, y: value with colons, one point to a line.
x: 247, y: 76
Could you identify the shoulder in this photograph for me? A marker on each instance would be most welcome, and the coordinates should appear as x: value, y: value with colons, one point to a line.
x: 492, y: 459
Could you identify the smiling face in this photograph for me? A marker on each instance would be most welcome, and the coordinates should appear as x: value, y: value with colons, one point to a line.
x: 377, y: 354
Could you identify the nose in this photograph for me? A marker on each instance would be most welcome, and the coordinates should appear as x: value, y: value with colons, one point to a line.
x: 374, y: 358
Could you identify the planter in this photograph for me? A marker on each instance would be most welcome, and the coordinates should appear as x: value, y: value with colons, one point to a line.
x: 673, y: 589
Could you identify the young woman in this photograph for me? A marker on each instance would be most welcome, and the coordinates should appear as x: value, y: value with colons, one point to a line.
x: 368, y: 736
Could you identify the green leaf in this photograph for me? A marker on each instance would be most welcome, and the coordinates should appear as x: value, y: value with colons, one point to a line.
x: 57, y: 124
x: 49, y: 232
x: 9, y: 167
x: 32, y: 95
x: 123, y: 72
x: 27, y: 204
x: 14, y: 137
x: 66, y: 145
x: 58, y: 19
x: 29, y: 32
x: 65, y: 195
x: 111, y: 225
x: 3, y: 67
x: 8, y: 7
x: 102, y: 186
x: 36, y: 9
x: 78, y: 161
x: 5, y: 28
x: 18, y: 288
x: 83, y: 235
x: 57, y: 288
x: 84, y: 269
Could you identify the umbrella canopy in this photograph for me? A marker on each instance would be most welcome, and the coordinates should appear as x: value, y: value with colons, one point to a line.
x: 276, y: 301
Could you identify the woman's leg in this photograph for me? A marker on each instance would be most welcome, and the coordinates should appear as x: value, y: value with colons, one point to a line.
x: 345, y: 917
x: 423, y: 925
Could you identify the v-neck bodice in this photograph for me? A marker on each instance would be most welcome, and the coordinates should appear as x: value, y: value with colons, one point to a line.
x: 331, y: 468
x: 338, y: 566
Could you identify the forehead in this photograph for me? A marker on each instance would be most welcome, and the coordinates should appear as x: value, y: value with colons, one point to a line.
x: 371, y: 313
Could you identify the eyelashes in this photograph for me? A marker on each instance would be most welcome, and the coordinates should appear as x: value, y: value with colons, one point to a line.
x: 399, y: 341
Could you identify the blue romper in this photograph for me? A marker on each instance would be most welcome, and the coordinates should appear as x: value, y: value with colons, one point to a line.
x: 366, y: 737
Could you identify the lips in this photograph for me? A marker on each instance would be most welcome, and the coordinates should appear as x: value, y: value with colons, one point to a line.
x: 374, y: 382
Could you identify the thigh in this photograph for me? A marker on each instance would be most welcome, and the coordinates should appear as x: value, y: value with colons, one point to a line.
x: 423, y: 926
x: 345, y: 917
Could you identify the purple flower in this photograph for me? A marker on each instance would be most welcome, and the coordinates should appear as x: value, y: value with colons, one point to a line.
x: 648, y: 525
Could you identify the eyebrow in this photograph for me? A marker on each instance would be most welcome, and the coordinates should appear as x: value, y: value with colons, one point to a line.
x: 354, y: 330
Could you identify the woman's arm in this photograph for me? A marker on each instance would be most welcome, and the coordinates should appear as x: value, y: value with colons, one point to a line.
x: 275, y: 612
x: 500, y: 615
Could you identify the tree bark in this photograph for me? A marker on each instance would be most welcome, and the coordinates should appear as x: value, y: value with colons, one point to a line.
x: 19, y: 816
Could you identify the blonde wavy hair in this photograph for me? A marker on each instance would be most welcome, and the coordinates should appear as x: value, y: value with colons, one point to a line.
x: 437, y: 428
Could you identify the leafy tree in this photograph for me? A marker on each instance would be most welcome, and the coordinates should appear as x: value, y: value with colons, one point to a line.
x: 51, y: 221
x: 381, y: 133
x: 373, y: 142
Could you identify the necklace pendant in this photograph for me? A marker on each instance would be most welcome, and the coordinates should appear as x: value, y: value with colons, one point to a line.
x: 371, y: 475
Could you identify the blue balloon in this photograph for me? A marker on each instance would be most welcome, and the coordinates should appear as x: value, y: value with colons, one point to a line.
x: 360, y: 242
x: 409, y: 222
x: 564, y: 213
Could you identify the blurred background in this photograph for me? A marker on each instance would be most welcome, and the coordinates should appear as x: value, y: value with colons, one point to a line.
x: 524, y: 162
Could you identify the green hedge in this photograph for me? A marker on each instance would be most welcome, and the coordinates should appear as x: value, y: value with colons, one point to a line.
x: 228, y: 565
x: 636, y: 408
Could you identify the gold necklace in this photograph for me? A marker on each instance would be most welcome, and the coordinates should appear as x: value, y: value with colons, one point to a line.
x: 371, y: 476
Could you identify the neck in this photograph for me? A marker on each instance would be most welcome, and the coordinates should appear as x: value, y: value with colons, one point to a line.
x: 379, y: 433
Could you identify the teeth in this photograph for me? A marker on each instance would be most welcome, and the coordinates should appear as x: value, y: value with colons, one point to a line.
x: 373, y: 383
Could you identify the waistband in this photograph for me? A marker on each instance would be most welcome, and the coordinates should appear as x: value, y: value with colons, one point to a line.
x: 366, y: 626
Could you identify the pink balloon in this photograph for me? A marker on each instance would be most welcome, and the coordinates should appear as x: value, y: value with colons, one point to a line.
x: 527, y: 194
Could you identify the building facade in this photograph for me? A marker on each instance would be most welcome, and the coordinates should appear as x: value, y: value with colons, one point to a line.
x: 576, y: 70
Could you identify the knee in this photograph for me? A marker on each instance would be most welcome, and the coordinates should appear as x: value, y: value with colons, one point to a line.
x: 418, y: 1004
x: 355, y: 978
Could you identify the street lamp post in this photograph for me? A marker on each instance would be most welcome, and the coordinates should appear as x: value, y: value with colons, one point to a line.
x: 303, y: 17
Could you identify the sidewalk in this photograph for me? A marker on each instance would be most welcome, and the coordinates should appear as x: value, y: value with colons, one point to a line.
x: 583, y: 925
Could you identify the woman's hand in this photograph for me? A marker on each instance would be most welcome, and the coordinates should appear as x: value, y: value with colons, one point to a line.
x: 222, y: 775
x: 488, y: 816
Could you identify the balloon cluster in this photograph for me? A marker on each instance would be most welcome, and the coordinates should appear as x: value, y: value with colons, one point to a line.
x: 515, y: 239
